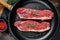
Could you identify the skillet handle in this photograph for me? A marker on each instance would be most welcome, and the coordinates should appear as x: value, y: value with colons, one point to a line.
x: 1, y: 9
x: 6, y: 4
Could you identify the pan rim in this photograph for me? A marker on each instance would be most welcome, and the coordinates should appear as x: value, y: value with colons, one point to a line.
x: 9, y: 21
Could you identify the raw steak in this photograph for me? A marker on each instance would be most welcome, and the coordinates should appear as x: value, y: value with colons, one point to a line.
x: 27, y: 13
x: 34, y: 26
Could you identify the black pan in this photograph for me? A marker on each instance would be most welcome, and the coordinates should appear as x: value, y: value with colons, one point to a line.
x: 35, y: 4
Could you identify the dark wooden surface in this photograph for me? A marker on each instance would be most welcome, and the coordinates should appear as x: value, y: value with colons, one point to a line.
x: 6, y: 36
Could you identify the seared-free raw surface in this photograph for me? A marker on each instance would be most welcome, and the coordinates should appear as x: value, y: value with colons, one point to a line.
x: 27, y: 13
x: 30, y: 25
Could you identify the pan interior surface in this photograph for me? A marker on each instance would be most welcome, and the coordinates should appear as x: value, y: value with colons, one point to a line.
x: 29, y: 35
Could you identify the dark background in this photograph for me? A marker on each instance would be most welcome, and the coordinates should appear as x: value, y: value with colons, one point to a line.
x: 6, y: 35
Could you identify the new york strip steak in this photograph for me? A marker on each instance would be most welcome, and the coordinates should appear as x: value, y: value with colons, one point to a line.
x: 30, y: 25
x: 27, y: 13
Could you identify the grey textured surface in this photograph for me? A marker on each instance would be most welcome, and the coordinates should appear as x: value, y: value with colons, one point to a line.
x: 5, y: 36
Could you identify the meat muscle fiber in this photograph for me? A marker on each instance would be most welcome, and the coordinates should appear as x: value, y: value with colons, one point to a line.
x: 34, y: 26
x: 27, y: 13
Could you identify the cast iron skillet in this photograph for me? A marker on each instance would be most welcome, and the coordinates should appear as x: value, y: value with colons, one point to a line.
x: 35, y: 4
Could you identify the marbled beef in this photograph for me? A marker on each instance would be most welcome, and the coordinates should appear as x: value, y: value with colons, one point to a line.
x: 30, y: 25
x: 27, y: 13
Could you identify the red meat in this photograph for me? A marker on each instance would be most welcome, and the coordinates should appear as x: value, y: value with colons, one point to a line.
x: 34, y: 26
x: 27, y: 13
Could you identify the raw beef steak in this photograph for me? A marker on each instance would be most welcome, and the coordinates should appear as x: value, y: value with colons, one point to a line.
x: 27, y: 13
x: 34, y: 26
